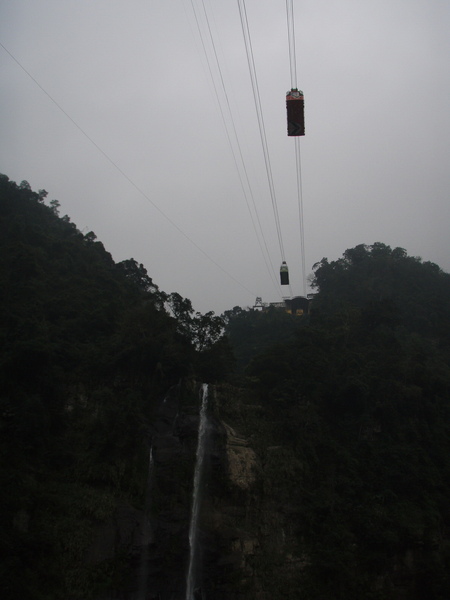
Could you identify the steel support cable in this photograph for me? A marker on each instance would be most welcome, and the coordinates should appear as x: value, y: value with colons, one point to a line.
x: 267, y: 260
x: 291, y: 41
x: 300, y: 209
x: 259, y: 114
x: 130, y: 181
x: 293, y: 72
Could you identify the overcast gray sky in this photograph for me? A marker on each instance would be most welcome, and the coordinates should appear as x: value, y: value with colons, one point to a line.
x: 134, y: 77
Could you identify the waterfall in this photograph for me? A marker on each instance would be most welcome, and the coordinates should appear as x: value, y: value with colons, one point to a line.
x: 146, y: 533
x: 193, y: 528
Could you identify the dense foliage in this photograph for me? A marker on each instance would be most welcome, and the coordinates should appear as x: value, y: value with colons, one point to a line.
x: 88, y: 347
x: 347, y: 409
x: 251, y: 332
x: 360, y: 402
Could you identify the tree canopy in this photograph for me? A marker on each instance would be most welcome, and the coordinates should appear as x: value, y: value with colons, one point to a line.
x: 88, y: 347
x: 360, y: 400
x: 349, y: 409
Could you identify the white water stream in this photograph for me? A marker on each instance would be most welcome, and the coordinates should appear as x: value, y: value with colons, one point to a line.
x: 193, y: 528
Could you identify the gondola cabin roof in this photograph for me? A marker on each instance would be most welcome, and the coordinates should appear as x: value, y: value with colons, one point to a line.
x: 295, y: 94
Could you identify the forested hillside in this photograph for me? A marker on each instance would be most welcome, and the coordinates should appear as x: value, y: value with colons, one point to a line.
x: 329, y: 459
x: 359, y: 401
x: 88, y: 348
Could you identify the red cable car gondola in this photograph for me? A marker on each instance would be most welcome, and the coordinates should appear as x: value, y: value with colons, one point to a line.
x: 295, y: 106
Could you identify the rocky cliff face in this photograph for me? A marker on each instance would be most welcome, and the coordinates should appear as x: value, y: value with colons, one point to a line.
x: 242, y: 536
x: 253, y: 540
x: 230, y: 475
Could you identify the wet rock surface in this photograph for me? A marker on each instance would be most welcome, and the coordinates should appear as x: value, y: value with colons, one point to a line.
x: 237, y: 526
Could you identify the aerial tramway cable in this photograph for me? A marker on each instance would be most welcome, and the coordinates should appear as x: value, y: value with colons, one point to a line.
x: 116, y: 166
x: 284, y: 273
x: 291, y: 42
x: 300, y: 210
x: 259, y: 114
x: 293, y: 73
x: 259, y: 234
x: 255, y: 88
